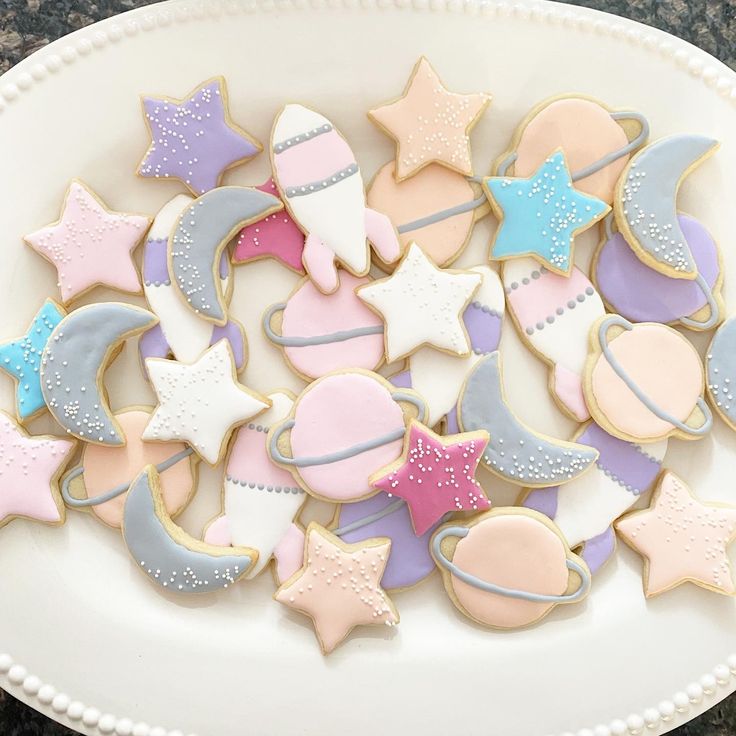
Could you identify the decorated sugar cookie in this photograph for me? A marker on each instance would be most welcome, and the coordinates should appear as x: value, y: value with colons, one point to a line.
x: 170, y: 558
x: 102, y: 477
x: 32, y: 467
x: 439, y: 377
x: 540, y: 215
x: 508, y: 567
x: 640, y: 293
x: 275, y: 236
x: 73, y: 364
x: 682, y: 539
x: 194, y: 139
x: 435, y: 475
x: 321, y: 184
x: 180, y: 332
x: 320, y: 333
x: 422, y: 305
x: 260, y: 500
x: 200, y: 403
x: 644, y: 382
x: 288, y: 554
x: 21, y: 359
x: 436, y: 208
x: 597, y: 142
x: 336, y: 599
x: 198, y: 239
x: 553, y: 315
x: 430, y: 124
x: 343, y: 428
x: 90, y: 245
x: 720, y: 369
x: 585, y: 508
x: 515, y: 452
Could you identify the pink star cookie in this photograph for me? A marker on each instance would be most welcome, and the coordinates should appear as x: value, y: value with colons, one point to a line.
x: 91, y: 245
x: 436, y: 475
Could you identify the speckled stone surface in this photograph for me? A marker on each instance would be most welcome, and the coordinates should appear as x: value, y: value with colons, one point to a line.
x: 27, y: 25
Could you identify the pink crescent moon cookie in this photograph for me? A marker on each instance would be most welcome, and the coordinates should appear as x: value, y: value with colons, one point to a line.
x: 644, y: 382
x: 343, y: 428
x: 320, y: 333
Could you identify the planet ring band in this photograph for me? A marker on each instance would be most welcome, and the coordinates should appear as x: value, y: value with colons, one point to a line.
x: 461, y: 531
x: 347, y: 452
x: 636, y: 390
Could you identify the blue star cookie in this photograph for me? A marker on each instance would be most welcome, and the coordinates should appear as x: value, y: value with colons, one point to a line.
x: 540, y: 216
x: 21, y: 358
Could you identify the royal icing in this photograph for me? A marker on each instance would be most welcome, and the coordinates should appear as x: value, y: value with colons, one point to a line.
x: 21, y: 359
x: 515, y: 452
x: 720, y: 367
x: 200, y: 403
x: 321, y: 184
x: 339, y: 586
x: 193, y: 139
x: 73, y: 364
x: 422, y: 305
x: 682, y: 538
x: 90, y: 245
x: 430, y: 124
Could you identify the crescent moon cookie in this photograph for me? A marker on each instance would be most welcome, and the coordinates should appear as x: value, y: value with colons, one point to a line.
x: 200, y: 403
x: 198, y: 240
x: 644, y: 382
x: 322, y: 186
x: 194, y: 139
x: 597, y: 142
x: 682, y: 539
x: 515, y: 452
x: 73, y: 365
x: 720, y: 368
x: 90, y: 245
x: 337, y: 601
x: 343, y: 428
x: 422, y: 305
x: 20, y: 358
x: 320, y: 333
x: 540, y: 216
x: 430, y: 124
x: 553, y: 315
x: 32, y: 467
x: 508, y: 567
x: 168, y: 556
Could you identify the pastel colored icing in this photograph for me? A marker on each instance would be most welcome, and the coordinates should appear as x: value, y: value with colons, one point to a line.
x: 720, y: 368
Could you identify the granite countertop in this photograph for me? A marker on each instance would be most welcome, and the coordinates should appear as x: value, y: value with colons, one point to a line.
x: 27, y: 25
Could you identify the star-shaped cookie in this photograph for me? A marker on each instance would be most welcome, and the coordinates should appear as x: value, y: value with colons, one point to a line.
x: 422, y: 305
x: 430, y: 124
x: 200, y: 403
x: 435, y: 475
x: 30, y: 468
x: 682, y: 538
x: 540, y: 216
x: 193, y: 139
x: 339, y: 586
x: 21, y: 358
x: 91, y: 245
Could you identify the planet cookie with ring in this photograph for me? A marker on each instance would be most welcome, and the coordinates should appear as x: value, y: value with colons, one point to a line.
x: 644, y: 382
x: 343, y: 428
x: 508, y: 567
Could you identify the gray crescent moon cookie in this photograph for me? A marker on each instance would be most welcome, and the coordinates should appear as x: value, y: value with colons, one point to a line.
x: 73, y: 364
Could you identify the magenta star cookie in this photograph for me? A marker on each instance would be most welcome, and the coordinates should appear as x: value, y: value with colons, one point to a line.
x: 30, y: 468
x: 91, y: 245
x: 436, y: 475
x: 194, y: 139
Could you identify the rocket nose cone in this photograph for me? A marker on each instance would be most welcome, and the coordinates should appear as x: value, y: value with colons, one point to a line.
x: 295, y: 120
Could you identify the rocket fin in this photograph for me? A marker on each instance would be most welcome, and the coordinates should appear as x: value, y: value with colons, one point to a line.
x: 382, y: 235
x: 319, y: 261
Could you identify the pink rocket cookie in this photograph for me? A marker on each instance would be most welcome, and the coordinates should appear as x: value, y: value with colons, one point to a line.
x: 343, y: 428
x: 320, y: 333
x: 554, y: 315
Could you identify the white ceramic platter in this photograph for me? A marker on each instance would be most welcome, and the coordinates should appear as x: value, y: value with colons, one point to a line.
x: 76, y: 613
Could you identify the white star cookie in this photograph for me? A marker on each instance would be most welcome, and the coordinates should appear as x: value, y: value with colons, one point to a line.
x: 200, y: 403
x: 422, y: 305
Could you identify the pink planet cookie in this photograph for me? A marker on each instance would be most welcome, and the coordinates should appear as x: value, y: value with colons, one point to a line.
x: 321, y: 333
